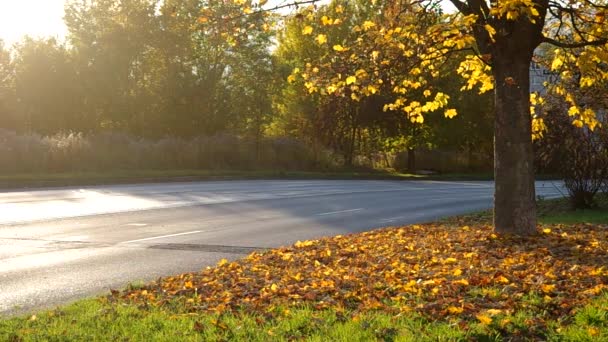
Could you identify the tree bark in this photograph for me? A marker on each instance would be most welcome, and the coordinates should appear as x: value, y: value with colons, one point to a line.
x: 514, y: 197
x: 510, y: 53
x: 411, y: 159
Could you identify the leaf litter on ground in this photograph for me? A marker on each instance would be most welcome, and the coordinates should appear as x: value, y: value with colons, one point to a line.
x: 443, y: 271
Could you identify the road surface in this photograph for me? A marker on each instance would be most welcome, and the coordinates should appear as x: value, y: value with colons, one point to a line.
x: 58, y: 245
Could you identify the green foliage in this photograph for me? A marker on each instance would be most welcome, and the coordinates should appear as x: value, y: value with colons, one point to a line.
x: 152, y: 68
x: 146, y: 67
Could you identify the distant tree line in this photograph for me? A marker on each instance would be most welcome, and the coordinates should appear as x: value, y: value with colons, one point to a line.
x: 152, y: 69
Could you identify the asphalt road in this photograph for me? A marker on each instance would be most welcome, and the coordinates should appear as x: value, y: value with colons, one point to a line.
x: 58, y: 245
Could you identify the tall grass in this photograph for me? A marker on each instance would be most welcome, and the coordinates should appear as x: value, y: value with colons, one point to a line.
x: 76, y: 152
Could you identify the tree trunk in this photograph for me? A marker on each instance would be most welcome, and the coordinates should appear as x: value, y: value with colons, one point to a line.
x: 411, y: 159
x: 353, y: 139
x: 514, y: 197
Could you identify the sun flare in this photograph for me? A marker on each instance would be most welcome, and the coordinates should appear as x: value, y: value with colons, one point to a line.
x: 36, y: 18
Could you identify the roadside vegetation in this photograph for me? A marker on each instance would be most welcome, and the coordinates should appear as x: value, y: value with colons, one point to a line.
x: 116, y: 95
x: 27, y: 180
x: 449, y: 280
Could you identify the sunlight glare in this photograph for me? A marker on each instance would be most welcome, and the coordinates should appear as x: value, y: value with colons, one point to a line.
x: 36, y: 18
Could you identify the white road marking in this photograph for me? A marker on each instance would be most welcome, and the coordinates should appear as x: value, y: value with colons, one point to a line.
x: 458, y: 198
x: 471, y: 184
x: 392, y: 219
x: 137, y: 224
x: 339, y: 212
x: 164, y: 236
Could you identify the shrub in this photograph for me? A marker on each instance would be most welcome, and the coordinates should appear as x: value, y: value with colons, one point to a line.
x: 75, y: 152
x: 579, y: 155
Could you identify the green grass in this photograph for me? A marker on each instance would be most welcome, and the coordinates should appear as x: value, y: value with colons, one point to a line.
x: 594, y: 216
x: 554, y: 211
x: 559, y: 211
x: 96, y: 320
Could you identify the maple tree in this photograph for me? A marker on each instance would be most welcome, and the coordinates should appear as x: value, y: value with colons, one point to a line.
x: 405, y: 45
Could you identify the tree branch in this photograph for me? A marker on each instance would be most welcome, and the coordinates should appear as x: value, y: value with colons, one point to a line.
x: 573, y: 45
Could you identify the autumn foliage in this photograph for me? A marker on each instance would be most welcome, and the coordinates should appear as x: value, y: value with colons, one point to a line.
x: 444, y: 271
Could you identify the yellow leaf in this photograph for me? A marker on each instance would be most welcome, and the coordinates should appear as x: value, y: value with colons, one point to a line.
x: 557, y: 63
x: 593, y: 331
x: 461, y: 282
x: 321, y: 39
x: 493, y: 312
x: 491, y: 31
x: 274, y: 288
x: 503, y: 280
x: 455, y: 310
x: 351, y: 80
x: 450, y: 260
x: 339, y: 48
x: 301, y: 244
x: 504, y: 322
x: 485, y: 320
x: 450, y: 113
x: 457, y: 272
x: 595, y: 290
x: 586, y: 82
x: 547, y: 288
x: 368, y: 24
x: 546, y: 230
x: 307, y: 30
x: 572, y: 111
